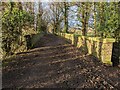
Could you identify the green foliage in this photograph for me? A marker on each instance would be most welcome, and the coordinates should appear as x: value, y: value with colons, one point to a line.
x: 107, y: 18
x: 12, y: 23
x: 105, y: 15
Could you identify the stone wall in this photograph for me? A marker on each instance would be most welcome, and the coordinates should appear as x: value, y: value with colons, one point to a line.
x: 99, y: 47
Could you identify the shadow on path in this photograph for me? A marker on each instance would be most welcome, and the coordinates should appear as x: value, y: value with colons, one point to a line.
x: 54, y: 63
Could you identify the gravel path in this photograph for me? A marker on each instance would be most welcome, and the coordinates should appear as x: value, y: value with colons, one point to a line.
x: 54, y: 63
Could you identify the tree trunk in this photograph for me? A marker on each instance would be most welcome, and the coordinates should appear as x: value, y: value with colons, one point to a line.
x: 95, y: 19
x: 40, y: 18
x: 66, y: 17
x: 83, y: 20
x: 20, y: 23
x: 102, y: 18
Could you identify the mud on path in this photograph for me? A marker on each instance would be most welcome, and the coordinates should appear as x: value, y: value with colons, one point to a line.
x: 54, y: 63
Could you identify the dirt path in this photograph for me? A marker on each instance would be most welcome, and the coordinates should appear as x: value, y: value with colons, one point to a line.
x: 54, y: 63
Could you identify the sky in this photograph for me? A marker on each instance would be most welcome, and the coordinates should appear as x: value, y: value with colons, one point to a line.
x: 72, y: 19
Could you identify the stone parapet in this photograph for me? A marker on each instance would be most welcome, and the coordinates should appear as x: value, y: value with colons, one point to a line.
x: 96, y: 46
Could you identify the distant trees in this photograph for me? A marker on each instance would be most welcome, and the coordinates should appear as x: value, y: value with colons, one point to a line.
x: 56, y: 9
x: 84, y: 15
x: 55, y: 15
x: 60, y: 14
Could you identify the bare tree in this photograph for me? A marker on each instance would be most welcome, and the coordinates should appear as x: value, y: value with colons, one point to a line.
x: 84, y: 14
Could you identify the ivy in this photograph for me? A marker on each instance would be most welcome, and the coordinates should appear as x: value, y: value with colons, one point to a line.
x: 12, y: 23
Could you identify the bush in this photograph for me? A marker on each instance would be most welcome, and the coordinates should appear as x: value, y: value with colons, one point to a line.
x: 12, y: 24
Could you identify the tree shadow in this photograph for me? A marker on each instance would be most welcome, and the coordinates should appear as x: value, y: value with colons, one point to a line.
x: 84, y: 47
x: 115, y: 54
x: 93, y: 49
x: 75, y: 40
x: 31, y: 40
x: 100, y: 49
x: 28, y: 41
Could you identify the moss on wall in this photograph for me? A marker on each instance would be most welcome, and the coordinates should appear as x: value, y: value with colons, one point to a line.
x: 99, y: 47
